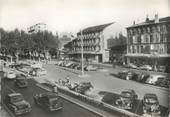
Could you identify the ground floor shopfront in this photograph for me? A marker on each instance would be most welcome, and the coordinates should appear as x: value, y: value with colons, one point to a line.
x: 154, y: 62
x: 89, y: 58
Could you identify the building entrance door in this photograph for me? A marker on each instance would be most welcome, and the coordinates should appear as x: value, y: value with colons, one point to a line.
x: 100, y: 58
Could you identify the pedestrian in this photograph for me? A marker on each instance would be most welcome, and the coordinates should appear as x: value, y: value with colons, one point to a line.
x: 67, y: 79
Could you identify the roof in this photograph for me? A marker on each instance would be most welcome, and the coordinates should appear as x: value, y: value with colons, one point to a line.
x: 97, y: 28
x: 161, y: 20
x: 150, y: 95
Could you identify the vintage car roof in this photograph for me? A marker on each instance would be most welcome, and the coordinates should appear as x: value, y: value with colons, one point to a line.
x: 150, y: 95
x: 13, y: 94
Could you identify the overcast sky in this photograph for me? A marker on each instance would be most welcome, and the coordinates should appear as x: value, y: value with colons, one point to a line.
x: 73, y: 15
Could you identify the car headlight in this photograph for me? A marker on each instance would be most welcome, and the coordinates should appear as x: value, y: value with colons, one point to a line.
x: 128, y: 104
x: 15, y: 108
x: 29, y: 106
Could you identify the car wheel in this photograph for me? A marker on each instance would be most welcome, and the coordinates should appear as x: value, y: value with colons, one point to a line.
x: 144, y: 110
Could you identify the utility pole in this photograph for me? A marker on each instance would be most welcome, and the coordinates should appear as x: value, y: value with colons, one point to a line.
x: 82, y: 66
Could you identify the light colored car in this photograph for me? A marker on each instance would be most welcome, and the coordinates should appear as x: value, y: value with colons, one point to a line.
x: 132, y: 66
x: 153, y: 78
x: 58, y: 62
x: 90, y: 68
x: 10, y: 75
x: 68, y: 64
x: 146, y: 67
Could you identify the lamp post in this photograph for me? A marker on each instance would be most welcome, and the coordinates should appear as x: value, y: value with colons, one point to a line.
x: 82, y: 66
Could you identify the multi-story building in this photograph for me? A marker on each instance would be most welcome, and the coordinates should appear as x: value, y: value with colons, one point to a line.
x: 63, y: 40
x: 149, y: 42
x: 37, y: 27
x: 117, y: 49
x: 95, y: 45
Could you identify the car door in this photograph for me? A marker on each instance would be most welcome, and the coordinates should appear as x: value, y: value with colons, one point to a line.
x: 41, y: 100
x: 45, y: 101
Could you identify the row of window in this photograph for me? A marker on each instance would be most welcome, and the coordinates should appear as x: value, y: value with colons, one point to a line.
x: 148, y: 38
x: 87, y: 48
x: 147, y: 29
x: 147, y: 49
x: 88, y: 42
x: 89, y: 35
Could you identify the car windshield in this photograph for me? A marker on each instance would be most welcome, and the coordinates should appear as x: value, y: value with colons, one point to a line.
x: 151, y: 100
x: 53, y: 101
x: 16, y: 98
x: 126, y: 94
x: 22, y: 80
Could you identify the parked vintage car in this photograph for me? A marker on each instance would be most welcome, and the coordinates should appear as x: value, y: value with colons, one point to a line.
x: 17, y: 104
x: 59, y: 63
x: 49, y: 101
x: 153, y: 78
x: 90, y: 68
x: 146, y: 67
x: 21, y: 81
x: 127, y: 75
x: 79, y: 67
x: 133, y: 66
x: 126, y: 99
x: 72, y: 65
x: 142, y: 77
x: 163, y: 82
x: 10, y: 74
x: 151, y: 104
x: 68, y: 64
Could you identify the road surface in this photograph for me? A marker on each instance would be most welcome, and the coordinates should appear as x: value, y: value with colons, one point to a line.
x: 69, y: 110
x: 103, y: 81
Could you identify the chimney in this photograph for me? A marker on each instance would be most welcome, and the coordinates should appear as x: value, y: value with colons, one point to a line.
x: 147, y: 18
x: 156, y: 18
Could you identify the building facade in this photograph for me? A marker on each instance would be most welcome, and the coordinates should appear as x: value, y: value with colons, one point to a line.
x: 95, y: 47
x: 36, y: 28
x: 63, y: 40
x: 117, y: 49
x: 149, y: 42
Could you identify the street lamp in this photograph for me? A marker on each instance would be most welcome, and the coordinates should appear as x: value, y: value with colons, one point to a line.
x: 82, y: 69
x: 82, y: 62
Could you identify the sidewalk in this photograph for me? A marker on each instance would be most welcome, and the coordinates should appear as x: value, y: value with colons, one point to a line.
x: 53, y: 61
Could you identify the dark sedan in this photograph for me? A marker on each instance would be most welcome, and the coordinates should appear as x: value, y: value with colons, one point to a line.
x: 49, y: 101
x: 17, y: 104
x: 126, y: 99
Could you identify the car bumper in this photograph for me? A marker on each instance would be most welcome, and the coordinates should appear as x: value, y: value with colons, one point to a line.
x: 125, y: 107
x: 23, y: 111
x: 55, y: 109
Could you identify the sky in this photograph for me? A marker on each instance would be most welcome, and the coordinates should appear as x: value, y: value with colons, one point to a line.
x: 74, y: 15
